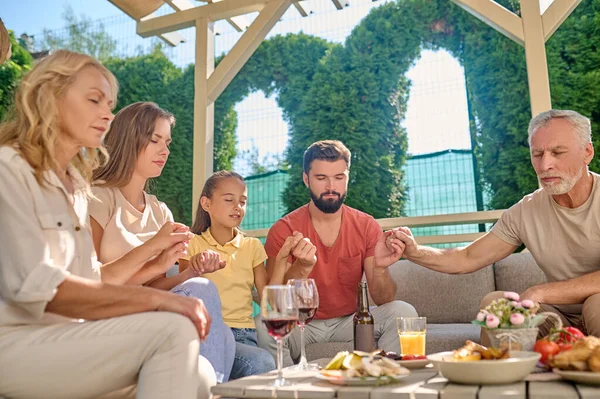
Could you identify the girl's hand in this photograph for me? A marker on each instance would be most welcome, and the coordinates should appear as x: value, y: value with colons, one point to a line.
x: 207, y: 262
x: 169, y: 235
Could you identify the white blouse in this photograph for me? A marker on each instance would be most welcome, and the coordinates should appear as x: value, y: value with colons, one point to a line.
x: 125, y: 228
x: 43, y: 239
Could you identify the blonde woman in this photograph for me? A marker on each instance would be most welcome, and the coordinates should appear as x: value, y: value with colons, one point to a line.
x: 124, y: 216
x: 68, y: 328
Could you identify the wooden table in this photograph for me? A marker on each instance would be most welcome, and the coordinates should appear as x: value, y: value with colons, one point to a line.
x: 421, y: 384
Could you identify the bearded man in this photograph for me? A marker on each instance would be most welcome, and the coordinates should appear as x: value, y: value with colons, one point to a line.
x: 559, y: 224
x: 348, y: 243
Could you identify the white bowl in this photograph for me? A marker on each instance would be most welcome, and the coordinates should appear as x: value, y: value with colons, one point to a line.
x: 486, y: 372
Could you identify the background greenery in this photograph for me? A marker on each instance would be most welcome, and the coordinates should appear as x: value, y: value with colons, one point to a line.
x: 357, y: 92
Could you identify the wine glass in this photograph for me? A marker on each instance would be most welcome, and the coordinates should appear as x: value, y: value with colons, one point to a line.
x: 279, y: 313
x: 307, y: 299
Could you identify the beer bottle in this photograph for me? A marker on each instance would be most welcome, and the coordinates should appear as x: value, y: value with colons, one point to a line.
x: 364, y: 328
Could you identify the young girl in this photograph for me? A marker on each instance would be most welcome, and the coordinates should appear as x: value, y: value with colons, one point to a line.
x: 220, y: 212
x: 124, y: 216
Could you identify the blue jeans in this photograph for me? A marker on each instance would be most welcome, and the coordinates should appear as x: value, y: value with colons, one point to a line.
x: 219, y: 347
x: 249, y: 358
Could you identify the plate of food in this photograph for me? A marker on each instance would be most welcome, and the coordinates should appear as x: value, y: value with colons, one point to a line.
x: 354, y: 368
x: 475, y: 364
x: 413, y: 361
x: 408, y: 361
x: 581, y: 363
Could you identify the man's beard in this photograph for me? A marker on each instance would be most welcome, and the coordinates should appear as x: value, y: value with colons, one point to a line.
x: 327, y: 205
x: 566, y: 184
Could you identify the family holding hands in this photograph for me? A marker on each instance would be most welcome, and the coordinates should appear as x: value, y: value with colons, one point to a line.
x: 91, y: 305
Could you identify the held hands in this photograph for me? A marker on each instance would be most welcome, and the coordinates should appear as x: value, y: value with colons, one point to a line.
x: 300, y: 248
x: 392, y: 245
x: 206, y: 262
x: 404, y: 235
x: 388, y: 250
x: 170, y: 235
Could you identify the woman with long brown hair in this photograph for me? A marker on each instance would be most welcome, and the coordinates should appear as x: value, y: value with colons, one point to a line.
x: 124, y: 216
x: 68, y: 327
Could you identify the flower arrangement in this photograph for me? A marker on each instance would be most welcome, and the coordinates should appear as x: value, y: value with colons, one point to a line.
x: 509, y: 313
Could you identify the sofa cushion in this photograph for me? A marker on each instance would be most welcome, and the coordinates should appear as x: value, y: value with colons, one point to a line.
x: 442, y: 298
x: 517, y: 272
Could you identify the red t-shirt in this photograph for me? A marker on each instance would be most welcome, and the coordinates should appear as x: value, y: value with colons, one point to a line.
x: 339, y: 268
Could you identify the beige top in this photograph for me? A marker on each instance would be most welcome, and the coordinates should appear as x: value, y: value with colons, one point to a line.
x: 124, y: 226
x: 43, y: 239
x: 564, y: 242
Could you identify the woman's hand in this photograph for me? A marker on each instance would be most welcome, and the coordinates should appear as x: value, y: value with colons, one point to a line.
x: 192, y: 308
x: 206, y: 262
x: 167, y: 258
x: 168, y: 236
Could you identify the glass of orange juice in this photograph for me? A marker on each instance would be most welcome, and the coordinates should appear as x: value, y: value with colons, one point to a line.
x: 412, y: 331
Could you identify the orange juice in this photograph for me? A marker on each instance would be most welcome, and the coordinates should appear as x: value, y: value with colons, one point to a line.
x: 412, y: 342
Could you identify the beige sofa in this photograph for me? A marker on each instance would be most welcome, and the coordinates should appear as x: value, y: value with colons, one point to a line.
x: 449, y: 302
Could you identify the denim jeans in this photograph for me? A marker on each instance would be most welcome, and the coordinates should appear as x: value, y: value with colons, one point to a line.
x: 249, y: 358
x: 219, y: 347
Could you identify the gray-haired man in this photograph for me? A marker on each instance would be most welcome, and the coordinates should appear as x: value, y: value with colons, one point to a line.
x: 559, y: 224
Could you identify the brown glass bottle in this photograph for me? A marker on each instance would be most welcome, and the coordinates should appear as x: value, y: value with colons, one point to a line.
x: 364, y: 327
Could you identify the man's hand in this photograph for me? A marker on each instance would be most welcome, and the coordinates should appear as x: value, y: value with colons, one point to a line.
x: 192, y: 308
x: 388, y: 250
x: 534, y: 293
x: 405, y: 235
x: 207, y: 262
x: 300, y: 247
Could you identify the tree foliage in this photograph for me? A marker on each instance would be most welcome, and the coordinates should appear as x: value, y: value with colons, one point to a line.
x: 81, y: 34
x: 11, y: 73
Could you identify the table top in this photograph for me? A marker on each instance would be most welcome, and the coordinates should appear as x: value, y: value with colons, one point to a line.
x: 421, y: 384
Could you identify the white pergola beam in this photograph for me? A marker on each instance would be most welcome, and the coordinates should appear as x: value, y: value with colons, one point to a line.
x: 535, y: 55
x: 496, y: 16
x: 245, y: 47
x: 556, y: 14
x: 302, y: 8
x: 340, y: 4
x: 204, y: 110
x: 239, y: 23
x: 171, y: 38
x: 180, y: 5
x: 187, y: 18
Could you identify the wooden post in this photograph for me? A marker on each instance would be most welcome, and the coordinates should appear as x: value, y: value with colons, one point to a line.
x: 204, y: 109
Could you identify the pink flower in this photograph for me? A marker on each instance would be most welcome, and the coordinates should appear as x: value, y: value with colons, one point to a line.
x: 492, y: 321
x: 511, y: 295
x: 527, y: 304
x: 516, y: 319
x: 481, y: 316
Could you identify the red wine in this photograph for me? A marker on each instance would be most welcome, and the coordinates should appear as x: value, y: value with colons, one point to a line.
x: 306, y: 315
x: 280, y: 328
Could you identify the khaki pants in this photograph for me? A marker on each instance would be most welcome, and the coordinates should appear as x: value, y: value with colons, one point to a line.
x: 588, y: 321
x: 339, y: 329
x: 154, y: 353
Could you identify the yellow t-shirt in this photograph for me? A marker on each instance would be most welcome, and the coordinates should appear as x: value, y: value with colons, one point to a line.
x: 236, y: 280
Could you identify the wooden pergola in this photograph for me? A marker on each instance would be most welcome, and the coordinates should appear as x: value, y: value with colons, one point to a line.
x: 531, y: 30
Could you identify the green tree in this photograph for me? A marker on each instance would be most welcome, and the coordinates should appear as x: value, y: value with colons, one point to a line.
x: 81, y: 34
x: 11, y: 73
